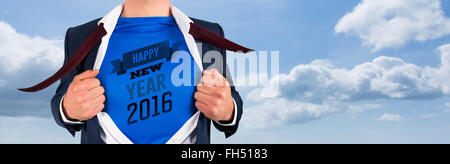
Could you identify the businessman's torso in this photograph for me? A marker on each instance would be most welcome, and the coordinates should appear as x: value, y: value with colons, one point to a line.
x: 91, y: 131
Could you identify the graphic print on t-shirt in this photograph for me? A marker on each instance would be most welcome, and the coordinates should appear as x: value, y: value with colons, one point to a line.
x: 143, y: 56
x: 136, y: 74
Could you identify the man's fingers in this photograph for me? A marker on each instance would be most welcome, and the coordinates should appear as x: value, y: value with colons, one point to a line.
x: 100, y: 99
x: 91, y: 83
x: 93, y: 73
x: 205, y: 89
x: 96, y: 92
x: 212, y: 74
x: 87, y: 84
x: 83, y: 75
x: 202, y: 97
x: 214, y: 78
x: 202, y: 107
x: 87, y: 74
x: 212, y: 81
x: 99, y: 108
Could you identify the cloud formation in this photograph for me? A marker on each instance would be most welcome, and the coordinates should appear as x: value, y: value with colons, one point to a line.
x: 428, y: 115
x: 25, y: 61
x: 390, y: 24
x: 318, y: 89
x: 391, y: 117
x: 18, y: 51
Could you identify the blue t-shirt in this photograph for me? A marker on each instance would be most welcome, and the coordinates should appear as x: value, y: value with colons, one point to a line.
x: 136, y: 74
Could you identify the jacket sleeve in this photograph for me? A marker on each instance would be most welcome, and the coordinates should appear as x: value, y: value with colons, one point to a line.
x: 230, y: 130
x: 62, y: 89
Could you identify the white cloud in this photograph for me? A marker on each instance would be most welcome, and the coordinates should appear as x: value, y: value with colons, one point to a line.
x: 273, y: 113
x: 388, y: 23
x: 26, y: 60
x: 18, y: 51
x: 364, y: 107
x: 382, y: 78
x: 447, y: 105
x: 446, y: 108
x: 319, y: 89
x: 391, y: 117
x: 429, y: 115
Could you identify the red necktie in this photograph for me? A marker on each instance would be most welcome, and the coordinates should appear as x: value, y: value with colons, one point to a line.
x: 198, y: 32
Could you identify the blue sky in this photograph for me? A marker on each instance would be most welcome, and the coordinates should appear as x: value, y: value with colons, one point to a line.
x: 398, y: 108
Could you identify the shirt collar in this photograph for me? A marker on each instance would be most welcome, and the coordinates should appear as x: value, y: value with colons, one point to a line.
x: 110, y: 19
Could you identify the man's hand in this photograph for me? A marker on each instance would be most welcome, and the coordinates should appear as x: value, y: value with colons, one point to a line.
x: 213, y: 96
x: 85, y: 97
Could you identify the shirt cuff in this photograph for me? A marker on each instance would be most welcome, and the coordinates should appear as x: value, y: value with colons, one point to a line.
x: 63, y: 116
x: 234, y: 117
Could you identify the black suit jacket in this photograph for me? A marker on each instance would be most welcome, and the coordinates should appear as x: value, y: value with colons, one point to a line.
x: 90, y: 131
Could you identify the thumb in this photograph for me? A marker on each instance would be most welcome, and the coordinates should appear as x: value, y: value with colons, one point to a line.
x: 87, y: 75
